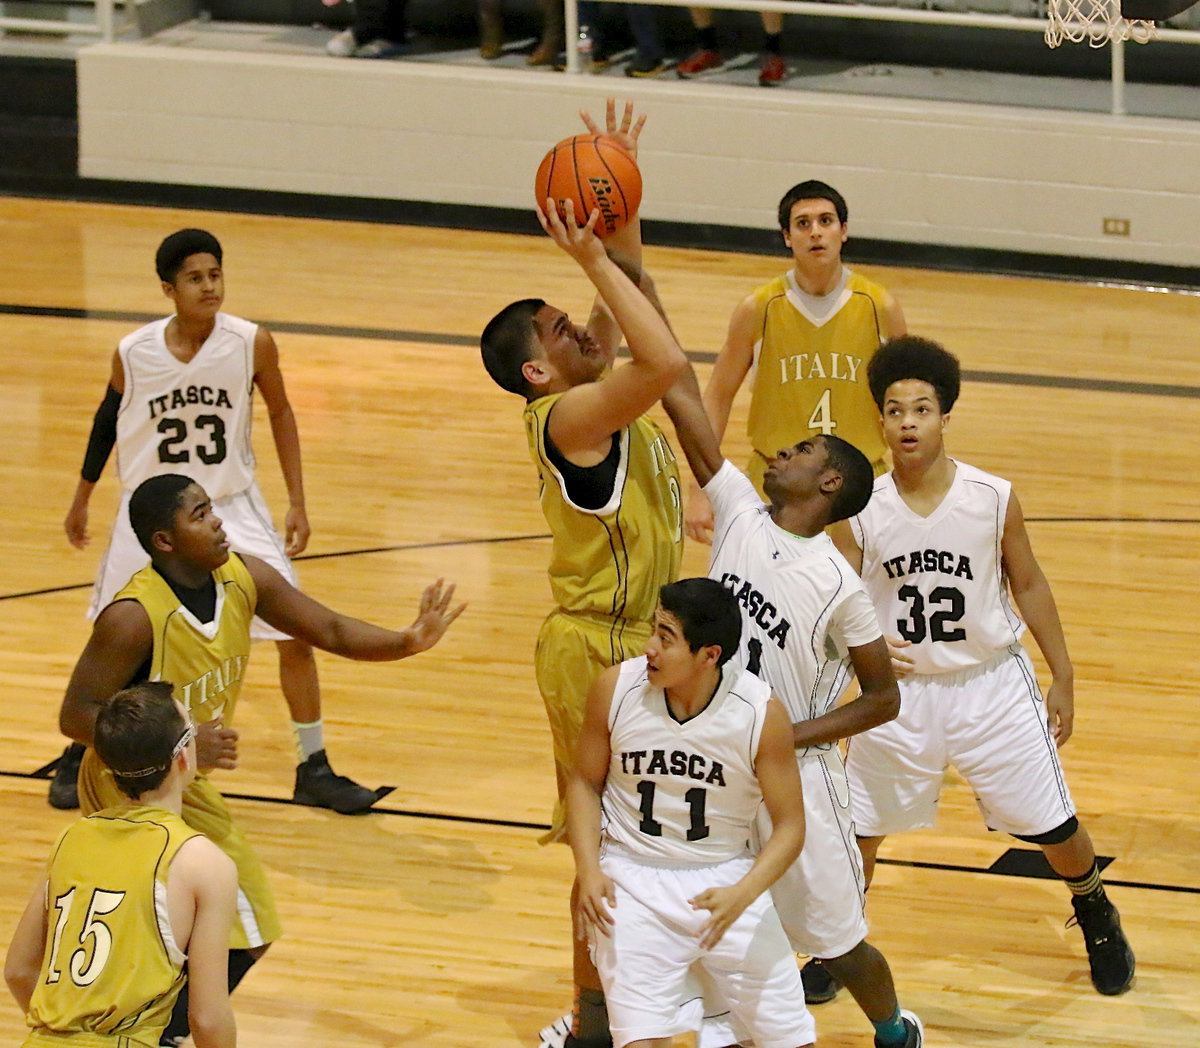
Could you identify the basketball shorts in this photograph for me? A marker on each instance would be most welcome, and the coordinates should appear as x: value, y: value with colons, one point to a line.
x: 204, y: 809
x: 573, y: 649
x: 247, y: 526
x: 820, y: 898
x: 655, y: 939
x: 989, y: 722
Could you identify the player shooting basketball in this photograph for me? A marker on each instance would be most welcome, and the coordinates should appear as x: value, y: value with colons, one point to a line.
x: 609, y: 487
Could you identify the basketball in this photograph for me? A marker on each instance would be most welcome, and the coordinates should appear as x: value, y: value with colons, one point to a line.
x: 595, y: 172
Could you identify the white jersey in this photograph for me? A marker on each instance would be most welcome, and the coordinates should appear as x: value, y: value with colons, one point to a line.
x: 803, y: 607
x: 938, y: 581
x: 682, y: 794
x: 191, y: 418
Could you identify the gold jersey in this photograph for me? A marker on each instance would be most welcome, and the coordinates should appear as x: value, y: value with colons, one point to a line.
x: 204, y: 661
x: 612, y: 561
x: 810, y: 357
x: 111, y: 969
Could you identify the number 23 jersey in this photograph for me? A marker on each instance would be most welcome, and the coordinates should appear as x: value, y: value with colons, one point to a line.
x: 192, y: 418
x: 938, y: 581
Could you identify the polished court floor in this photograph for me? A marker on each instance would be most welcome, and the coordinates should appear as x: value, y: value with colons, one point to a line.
x: 438, y: 921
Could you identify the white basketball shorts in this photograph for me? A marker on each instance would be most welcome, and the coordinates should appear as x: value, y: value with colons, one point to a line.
x: 644, y: 963
x: 820, y: 899
x: 989, y: 722
x: 247, y: 525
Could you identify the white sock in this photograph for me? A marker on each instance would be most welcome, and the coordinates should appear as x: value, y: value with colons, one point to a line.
x: 309, y: 739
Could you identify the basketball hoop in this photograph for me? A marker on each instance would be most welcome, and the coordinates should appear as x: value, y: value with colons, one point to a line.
x: 1099, y: 22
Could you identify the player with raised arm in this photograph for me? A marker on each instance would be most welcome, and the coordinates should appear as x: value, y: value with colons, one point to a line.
x: 609, y: 489
x: 185, y: 618
x: 180, y: 400
x: 131, y: 893
x: 806, y: 336
x: 809, y: 628
x: 678, y: 752
x: 941, y: 547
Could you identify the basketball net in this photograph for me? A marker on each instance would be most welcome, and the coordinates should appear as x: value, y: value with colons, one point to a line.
x: 1097, y: 21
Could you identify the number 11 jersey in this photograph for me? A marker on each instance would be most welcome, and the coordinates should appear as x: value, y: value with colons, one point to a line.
x: 938, y: 581
x: 192, y: 418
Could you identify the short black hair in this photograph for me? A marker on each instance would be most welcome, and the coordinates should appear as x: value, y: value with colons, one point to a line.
x: 153, y: 505
x: 857, y: 478
x: 707, y: 612
x: 811, y: 190
x: 135, y: 732
x: 913, y: 357
x: 178, y: 247
x: 507, y: 342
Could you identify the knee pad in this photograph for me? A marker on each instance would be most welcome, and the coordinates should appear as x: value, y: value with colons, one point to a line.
x: 1055, y: 836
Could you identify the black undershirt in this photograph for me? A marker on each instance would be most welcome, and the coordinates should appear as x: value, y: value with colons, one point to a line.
x: 201, y: 602
x: 589, y: 487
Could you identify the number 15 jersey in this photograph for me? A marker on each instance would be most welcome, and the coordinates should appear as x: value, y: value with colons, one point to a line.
x: 938, y: 581
x: 192, y: 418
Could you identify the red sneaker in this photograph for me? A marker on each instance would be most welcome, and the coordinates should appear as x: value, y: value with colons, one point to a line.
x: 700, y: 62
x: 773, y: 70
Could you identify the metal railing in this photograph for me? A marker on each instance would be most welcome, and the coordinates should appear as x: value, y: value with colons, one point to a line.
x: 103, y: 27
x: 891, y: 14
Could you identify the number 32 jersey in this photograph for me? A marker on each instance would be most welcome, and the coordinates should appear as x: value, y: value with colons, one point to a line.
x: 938, y: 581
x: 679, y: 794
x: 192, y: 418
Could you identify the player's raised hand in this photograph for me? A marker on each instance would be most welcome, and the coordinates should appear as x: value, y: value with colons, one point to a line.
x: 725, y: 905
x: 597, y: 896
x: 216, y: 745
x: 434, y: 617
x: 902, y: 665
x: 296, y: 531
x: 561, y: 222
x: 1060, y: 711
x: 624, y: 132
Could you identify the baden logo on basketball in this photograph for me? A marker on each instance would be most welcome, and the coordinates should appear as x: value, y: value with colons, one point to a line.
x: 593, y: 172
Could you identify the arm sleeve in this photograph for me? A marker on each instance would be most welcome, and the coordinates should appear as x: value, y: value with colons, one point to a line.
x: 730, y: 491
x: 856, y: 621
x: 103, y: 438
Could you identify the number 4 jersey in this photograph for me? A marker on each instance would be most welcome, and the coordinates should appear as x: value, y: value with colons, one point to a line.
x: 191, y: 418
x: 938, y: 581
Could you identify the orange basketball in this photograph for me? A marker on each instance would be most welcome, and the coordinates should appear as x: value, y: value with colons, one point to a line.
x: 595, y: 172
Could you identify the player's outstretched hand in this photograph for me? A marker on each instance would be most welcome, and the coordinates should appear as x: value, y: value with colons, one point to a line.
x: 435, y: 616
x: 698, y: 519
x: 295, y: 531
x: 902, y: 665
x: 625, y: 133
x: 216, y: 745
x: 597, y: 896
x: 76, y: 525
x: 580, y: 242
x: 1060, y: 711
x: 725, y: 905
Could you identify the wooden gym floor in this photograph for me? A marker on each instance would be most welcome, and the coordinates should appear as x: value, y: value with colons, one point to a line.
x: 439, y: 921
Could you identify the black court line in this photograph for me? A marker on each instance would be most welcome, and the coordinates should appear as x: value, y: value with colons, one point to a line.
x: 475, y: 820
x: 525, y: 538
x: 1096, y: 385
